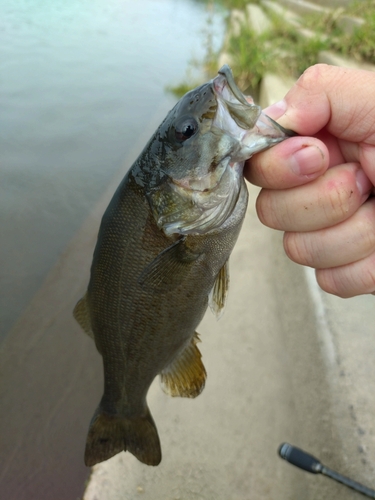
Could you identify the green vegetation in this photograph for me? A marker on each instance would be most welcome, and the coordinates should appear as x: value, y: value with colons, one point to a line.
x: 361, y: 8
x: 235, y: 4
x: 361, y: 44
x: 284, y: 49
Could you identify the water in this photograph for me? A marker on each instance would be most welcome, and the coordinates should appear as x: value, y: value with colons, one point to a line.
x: 79, y: 80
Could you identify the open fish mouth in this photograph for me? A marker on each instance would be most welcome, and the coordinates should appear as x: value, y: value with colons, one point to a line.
x: 241, y: 110
x: 205, y: 183
x: 234, y: 128
x: 228, y: 81
x: 244, y: 120
x: 235, y: 116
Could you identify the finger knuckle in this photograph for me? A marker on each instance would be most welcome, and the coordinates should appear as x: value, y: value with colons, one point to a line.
x: 348, y: 281
x: 341, y: 200
x: 298, y: 248
x: 330, y: 281
x: 311, y: 75
x: 266, y: 210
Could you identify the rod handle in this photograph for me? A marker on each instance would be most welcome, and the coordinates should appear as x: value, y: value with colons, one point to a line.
x: 300, y: 458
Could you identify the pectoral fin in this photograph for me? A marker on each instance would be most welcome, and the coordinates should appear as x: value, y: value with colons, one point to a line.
x: 186, y: 376
x: 81, y: 314
x: 166, y: 270
x: 219, y: 292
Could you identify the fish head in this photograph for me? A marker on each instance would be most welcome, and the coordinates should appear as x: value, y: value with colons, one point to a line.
x: 200, y: 149
x: 191, y: 148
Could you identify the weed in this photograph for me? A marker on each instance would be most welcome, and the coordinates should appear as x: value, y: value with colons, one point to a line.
x: 287, y: 50
x: 281, y: 49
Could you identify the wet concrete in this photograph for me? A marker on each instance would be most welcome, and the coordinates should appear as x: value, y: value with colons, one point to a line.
x: 266, y: 384
x: 286, y: 362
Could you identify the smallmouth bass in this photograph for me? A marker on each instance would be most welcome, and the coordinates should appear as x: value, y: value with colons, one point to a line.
x: 162, y: 258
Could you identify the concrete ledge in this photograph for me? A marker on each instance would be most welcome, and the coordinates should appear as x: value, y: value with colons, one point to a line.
x: 266, y: 384
x: 348, y: 24
x: 273, y: 88
x: 237, y: 19
x: 333, y: 3
x: 327, y: 57
x: 303, y: 7
x: 287, y: 362
x: 258, y: 20
x: 282, y: 12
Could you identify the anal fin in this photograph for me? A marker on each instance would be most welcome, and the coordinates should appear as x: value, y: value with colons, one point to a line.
x: 218, y: 295
x: 186, y: 375
x: 81, y: 314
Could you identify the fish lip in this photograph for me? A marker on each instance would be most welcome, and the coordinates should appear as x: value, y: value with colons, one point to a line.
x: 225, y: 79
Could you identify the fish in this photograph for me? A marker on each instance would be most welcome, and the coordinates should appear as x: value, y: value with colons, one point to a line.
x: 161, y: 259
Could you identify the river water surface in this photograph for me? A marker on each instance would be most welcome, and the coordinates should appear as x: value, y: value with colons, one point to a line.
x: 79, y: 81
x: 82, y: 83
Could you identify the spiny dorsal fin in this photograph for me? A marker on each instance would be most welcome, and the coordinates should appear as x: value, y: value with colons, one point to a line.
x: 219, y: 292
x: 81, y: 314
x: 186, y: 375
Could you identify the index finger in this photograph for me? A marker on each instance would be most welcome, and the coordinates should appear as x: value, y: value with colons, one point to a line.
x: 291, y: 163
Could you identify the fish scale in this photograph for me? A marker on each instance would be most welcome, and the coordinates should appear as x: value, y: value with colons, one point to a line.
x: 152, y: 279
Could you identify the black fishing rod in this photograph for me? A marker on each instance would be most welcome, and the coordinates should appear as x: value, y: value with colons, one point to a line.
x: 307, y: 462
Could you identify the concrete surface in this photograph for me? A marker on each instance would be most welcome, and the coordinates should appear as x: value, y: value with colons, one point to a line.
x: 333, y: 3
x: 257, y: 19
x: 334, y: 59
x: 349, y: 24
x: 268, y: 381
x: 287, y: 362
x: 281, y: 11
x: 273, y: 88
x: 303, y: 7
x: 223, y: 444
x: 237, y: 19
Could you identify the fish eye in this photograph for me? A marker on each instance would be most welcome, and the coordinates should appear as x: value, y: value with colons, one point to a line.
x: 185, y: 128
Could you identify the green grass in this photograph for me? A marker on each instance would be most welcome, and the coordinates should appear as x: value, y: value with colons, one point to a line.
x: 361, y: 8
x: 235, y: 4
x: 284, y: 50
x: 360, y: 45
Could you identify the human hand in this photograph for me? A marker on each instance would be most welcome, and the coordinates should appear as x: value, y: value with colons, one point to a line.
x: 316, y: 187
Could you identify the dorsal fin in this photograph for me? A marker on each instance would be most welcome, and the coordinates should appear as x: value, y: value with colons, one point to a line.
x: 219, y: 292
x: 186, y: 375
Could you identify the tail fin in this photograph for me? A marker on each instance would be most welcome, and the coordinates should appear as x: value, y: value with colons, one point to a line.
x: 110, y: 434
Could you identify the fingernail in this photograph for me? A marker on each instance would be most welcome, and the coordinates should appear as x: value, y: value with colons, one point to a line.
x: 307, y: 161
x: 276, y: 110
x: 364, y: 185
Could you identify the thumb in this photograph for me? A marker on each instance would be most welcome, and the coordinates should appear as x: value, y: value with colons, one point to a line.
x: 340, y: 99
